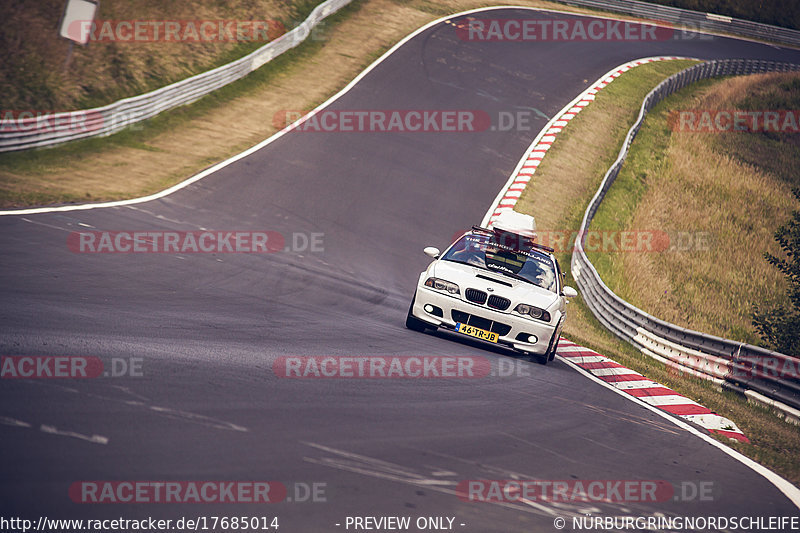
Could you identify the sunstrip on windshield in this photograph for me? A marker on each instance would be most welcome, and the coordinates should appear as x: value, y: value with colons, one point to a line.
x: 533, y: 244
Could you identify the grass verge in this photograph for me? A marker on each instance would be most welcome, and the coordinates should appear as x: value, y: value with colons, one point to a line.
x: 151, y: 156
x: 562, y: 187
x: 156, y: 154
x: 719, y: 197
x: 41, y: 70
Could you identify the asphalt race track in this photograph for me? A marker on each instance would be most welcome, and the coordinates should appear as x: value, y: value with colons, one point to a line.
x: 205, y: 329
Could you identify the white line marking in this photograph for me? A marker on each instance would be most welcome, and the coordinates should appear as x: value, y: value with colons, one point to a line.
x: 668, y: 399
x: 712, y: 421
x: 582, y: 359
x: 792, y: 492
x: 571, y: 107
x: 613, y: 371
x: 97, y: 439
x: 8, y: 421
x: 572, y: 348
x: 346, y: 89
x: 643, y: 384
x: 789, y: 490
x: 52, y: 430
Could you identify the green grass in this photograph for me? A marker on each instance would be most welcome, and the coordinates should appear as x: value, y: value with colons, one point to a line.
x: 581, y: 154
x: 711, y: 193
x: 35, y: 72
x: 42, y: 161
x: 775, y: 443
x: 776, y: 153
x: 646, y: 158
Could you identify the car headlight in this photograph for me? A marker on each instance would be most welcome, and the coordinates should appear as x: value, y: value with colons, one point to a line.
x: 442, y: 285
x: 535, y: 312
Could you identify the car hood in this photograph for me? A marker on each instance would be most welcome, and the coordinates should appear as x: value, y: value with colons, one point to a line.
x: 466, y: 276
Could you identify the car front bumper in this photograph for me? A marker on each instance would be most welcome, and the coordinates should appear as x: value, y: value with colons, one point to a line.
x: 445, y: 311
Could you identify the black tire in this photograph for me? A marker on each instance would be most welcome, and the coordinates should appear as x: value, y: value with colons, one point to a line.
x: 550, y: 354
x: 414, y: 323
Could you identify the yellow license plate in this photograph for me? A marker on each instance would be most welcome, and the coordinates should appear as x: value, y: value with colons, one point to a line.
x: 478, y: 333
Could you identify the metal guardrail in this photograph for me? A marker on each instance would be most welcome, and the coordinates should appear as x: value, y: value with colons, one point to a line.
x: 56, y: 128
x: 694, y: 20
x: 742, y: 367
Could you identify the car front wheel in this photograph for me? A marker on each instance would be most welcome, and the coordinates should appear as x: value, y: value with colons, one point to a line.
x: 550, y: 354
x: 413, y: 322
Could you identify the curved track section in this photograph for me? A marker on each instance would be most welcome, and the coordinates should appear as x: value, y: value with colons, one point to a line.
x: 207, y: 328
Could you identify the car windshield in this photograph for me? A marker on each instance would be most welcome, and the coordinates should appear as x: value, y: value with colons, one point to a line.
x: 483, y: 251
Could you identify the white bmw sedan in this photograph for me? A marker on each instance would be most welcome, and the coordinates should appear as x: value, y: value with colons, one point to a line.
x: 495, y: 286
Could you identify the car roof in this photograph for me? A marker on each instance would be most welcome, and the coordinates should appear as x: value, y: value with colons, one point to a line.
x: 488, y: 232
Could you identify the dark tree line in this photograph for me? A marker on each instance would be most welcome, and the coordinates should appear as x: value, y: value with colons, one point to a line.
x: 779, y: 327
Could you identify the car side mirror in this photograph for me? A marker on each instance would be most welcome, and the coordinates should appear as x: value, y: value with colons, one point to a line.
x: 432, y: 251
x: 569, y: 292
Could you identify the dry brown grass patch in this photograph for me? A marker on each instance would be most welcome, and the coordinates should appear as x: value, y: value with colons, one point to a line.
x: 697, y: 189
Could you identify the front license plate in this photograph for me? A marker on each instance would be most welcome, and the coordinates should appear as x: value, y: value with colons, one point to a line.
x: 478, y: 333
